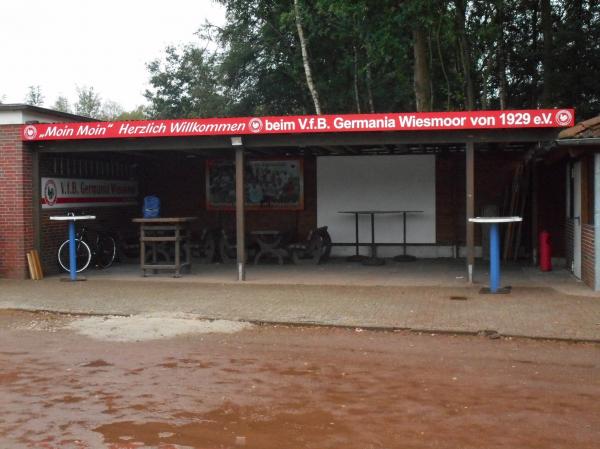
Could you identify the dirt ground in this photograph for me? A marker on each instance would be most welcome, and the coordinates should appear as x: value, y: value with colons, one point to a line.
x: 273, y: 387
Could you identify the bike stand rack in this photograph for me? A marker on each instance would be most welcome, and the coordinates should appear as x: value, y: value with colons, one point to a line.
x: 72, y: 256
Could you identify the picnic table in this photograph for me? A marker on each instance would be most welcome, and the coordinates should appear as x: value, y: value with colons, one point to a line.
x: 269, y: 243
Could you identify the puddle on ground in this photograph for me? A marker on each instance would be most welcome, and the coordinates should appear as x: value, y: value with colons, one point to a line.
x: 229, y: 426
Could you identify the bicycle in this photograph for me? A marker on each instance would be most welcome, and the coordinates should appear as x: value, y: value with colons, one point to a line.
x: 89, y: 245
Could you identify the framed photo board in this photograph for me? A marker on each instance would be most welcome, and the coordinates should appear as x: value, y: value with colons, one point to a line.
x: 269, y: 184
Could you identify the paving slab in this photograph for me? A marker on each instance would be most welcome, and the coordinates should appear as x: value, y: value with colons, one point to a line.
x: 529, y: 311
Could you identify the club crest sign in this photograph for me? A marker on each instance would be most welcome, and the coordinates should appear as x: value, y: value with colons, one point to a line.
x: 30, y: 132
x: 564, y: 117
x: 50, y: 193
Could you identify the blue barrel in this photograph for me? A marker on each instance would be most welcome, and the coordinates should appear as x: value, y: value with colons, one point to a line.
x: 151, y: 206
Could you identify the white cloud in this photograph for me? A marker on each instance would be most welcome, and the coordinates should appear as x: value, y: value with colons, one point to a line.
x: 60, y: 44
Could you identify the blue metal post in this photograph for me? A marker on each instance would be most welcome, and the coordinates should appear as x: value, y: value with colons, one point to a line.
x: 494, y: 258
x: 72, y: 257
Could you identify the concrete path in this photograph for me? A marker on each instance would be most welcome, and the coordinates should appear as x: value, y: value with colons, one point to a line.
x: 539, y: 312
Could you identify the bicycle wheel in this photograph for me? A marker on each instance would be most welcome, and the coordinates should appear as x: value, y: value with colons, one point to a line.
x: 106, y: 250
x: 83, y: 255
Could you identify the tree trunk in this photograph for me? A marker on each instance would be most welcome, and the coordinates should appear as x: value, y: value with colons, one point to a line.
x: 547, y: 52
x: 421, y: 71
x: 356, y: 93
x: 369, y: 80
x: 465, y: 51
x: 487, y: 71
x: 305, y: 60
x: 442, y: 64
x: 501, y: 57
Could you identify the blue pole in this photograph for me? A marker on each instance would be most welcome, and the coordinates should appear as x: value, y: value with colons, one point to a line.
x: 72, y: 259
x: 494, y: 258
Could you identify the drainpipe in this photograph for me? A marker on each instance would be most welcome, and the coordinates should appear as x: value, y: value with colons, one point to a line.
x: 597, y: 222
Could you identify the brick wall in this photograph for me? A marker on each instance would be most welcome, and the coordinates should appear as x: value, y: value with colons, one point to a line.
x: 587, y: 255
x: 16, y: 211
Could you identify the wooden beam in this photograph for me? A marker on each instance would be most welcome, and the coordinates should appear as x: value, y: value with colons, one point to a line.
x: 239, y: 214
x: 470, y: 170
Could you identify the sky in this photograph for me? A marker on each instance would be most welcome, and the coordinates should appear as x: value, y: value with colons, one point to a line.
x: 62, y: 44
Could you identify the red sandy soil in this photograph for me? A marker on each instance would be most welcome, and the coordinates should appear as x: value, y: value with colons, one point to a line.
x: 293, y: 387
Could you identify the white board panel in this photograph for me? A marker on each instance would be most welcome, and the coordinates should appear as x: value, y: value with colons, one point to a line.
x: 377, y: 183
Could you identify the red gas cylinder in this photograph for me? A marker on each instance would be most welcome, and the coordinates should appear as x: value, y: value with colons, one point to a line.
x: 545, y: 251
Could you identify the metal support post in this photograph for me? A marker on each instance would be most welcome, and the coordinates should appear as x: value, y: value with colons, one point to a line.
x: 72, y: 252
x: 470, y: 199
x: 494, y: 258
x: 239, y: 214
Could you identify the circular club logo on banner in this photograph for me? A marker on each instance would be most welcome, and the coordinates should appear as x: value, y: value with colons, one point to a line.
x: 563, y: 117
x: 256, y: 125
x: 30, y: 132
x: 50, y: 192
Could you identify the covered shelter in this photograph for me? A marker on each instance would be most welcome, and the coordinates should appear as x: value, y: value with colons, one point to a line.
x: 449, y: 165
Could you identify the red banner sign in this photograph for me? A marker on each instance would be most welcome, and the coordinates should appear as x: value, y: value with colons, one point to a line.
x: 309, y: 124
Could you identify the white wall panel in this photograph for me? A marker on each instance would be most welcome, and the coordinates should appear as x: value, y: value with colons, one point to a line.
x: 377, y: 183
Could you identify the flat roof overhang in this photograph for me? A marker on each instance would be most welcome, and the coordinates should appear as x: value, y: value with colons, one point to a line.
x: 318, y: 144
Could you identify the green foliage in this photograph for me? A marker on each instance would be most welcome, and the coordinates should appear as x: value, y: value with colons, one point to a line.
x: 139, y: 113
x: 361, y: 56
x: 185, y: 84
x: 88, y: 103
x: 62, y: 104
x: 110, y: 110
x: 34, y: 96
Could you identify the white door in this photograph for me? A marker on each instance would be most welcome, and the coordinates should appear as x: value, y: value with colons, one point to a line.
x: 577, y: 219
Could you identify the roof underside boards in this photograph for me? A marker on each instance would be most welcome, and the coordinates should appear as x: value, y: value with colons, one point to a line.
x: 317, y: 144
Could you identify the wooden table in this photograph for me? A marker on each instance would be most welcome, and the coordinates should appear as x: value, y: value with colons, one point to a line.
x: 155, y: 231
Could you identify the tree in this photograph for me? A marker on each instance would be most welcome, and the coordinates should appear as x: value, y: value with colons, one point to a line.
x: 34, y: 96
x: 277, y: 57
x: 185, y: 84
x: 139, y: 113
x: 110, y: 110
x: 464, y: 52
x: 422, y: 81
x: 62, y: 104
x: 88, y: 102
x: 305, y: 59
